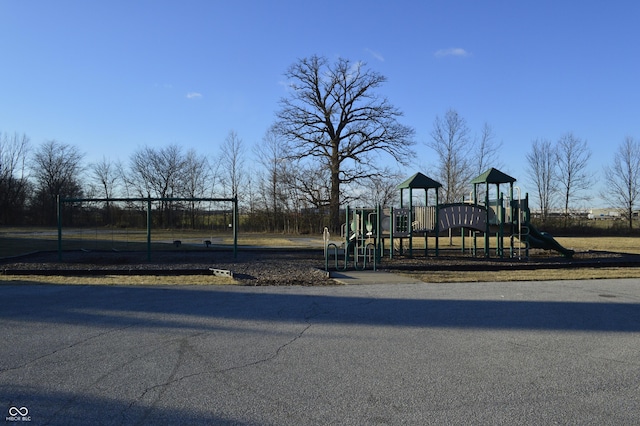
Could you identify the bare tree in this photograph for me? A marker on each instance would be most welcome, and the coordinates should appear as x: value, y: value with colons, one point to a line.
x: 272, y: 155
x: 13, y: 180
x: 381, y: 190
x: 487, y: 150
x: 333, y: 115
x: 56, y: 167
x: 194, y: 180
x: 251, y: 192
x: 158, y: 173
x: 232, y: 162
x: 106, y: 178
x: 314, y: 186
x: 541, y: 160
x: 215, y: 179
x: 291, y: 197
x: 451, y: 143
x: 622, y: 178
x: 195, y: 177
x: 573, y: 156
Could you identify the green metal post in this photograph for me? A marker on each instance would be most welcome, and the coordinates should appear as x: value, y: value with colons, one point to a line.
x: 512, y: 212
x: 410, y: 222
x: 59, y: 212
x: 462, y: 233
x: 500, y: 239
x: 401, y: 206
x: 437, y: 230
x: 426, y: 232
x: 486, y: 228
x: 527, y: 218
x: 347, y: 230
x: 149, y: 228
x: 392, y: 224
x: 379, y: 243
x: 235, y: 227
x: 475, y: 234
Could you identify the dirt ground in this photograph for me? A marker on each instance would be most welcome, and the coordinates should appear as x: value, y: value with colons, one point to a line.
x: 283, y: 266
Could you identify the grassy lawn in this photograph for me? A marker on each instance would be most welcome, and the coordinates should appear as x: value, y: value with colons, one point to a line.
x: 613, y: 244
x: 17, y: 241
x: 535, y: 275
x: 118, y: 280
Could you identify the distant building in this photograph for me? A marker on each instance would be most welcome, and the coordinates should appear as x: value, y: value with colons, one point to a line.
x: 557, y: 212
x: 604, y: 214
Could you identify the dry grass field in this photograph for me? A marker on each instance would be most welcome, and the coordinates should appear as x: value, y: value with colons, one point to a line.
x: 526, y: 275
x: 136, y: 280
x: 613, y: 244
x: 18, y: 241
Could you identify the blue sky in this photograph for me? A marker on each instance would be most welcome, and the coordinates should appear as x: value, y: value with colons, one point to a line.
x: 113, y: 76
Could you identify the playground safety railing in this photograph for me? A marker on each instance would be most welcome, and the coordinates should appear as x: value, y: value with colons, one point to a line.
x: 368, y: 252
x: 423, y: 218
x: 329, y: 248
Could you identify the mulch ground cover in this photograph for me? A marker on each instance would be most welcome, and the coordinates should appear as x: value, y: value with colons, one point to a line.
x: 286, y: 266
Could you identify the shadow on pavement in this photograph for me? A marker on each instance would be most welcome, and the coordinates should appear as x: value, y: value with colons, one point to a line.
x: 187, y: 307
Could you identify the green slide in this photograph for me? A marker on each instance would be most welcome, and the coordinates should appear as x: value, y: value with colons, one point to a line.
x: 543, y: 240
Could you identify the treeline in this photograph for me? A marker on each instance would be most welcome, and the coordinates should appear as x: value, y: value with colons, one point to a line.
x: 281, y: 191
x: 275, y: 195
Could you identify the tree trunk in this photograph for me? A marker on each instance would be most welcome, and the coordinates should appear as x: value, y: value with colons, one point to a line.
x: 334, y: 202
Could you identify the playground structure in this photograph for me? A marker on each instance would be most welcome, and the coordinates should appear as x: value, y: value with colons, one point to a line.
x: 363, y: 243
x: 494, y: 216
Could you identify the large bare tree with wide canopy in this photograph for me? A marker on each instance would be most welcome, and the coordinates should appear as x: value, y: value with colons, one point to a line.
x: 332, y: 114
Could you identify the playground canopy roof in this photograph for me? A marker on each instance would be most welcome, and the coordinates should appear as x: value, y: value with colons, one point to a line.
x: 419, y: 181
x: 493, y: 176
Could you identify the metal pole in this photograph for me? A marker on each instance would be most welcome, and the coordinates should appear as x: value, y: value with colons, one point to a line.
x: 379, y: 252
x: 500, y: 240
x: 59, y: 214
x: 149, y: 228
x: 235, y: 227
x: 512, y: 223
x: 392, y: 224
x: 437, y: 230
x: 527, y: 219
x: 486, y: 228
x: 426, y: 214
x: 410, y: 222
x: 347, y: 231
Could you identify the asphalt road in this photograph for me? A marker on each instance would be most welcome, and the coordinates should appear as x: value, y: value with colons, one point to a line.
x: 492, y: 353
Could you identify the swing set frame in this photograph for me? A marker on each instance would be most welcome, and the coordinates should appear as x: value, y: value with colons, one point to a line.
x: 149, y: 201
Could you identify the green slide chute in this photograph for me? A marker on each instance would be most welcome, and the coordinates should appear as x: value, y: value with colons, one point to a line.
x: 543, y: 240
